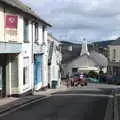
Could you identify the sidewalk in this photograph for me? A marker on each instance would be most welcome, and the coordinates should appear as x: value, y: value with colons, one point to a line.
x: 50, y: 91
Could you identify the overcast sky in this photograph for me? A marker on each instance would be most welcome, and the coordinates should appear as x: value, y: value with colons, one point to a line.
x: 74, y: 20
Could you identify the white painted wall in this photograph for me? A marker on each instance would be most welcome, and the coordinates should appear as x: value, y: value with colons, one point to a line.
x: 56, y: 58
x: 80, y: 62
x: 26, y: 52
x: 45, y: 61
x: 6, y: 35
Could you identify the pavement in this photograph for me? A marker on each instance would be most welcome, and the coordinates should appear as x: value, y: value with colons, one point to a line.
x: 48, y: 92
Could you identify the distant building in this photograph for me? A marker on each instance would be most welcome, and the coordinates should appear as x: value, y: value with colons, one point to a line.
x: 86, y: 61
x: 114, y: 58
x: 102, y: 47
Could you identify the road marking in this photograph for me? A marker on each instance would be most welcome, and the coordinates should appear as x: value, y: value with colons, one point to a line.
x: 92, y: 95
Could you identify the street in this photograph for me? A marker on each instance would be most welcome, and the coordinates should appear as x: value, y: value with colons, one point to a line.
x: 69, y: 105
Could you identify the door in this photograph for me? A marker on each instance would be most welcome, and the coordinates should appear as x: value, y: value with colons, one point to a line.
x: 1, y: 77
x: 37, y: 71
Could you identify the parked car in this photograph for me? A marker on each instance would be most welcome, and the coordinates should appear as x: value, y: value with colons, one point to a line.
x: 93, y: 80
x: 76, y: 80
x: 113, y: 80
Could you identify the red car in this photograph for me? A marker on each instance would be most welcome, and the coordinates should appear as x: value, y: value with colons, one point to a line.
x: 76, y: 80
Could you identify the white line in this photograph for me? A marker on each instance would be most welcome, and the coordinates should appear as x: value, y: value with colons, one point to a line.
x: 92, y: 95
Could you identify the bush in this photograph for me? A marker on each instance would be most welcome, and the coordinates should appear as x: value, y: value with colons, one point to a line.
x: 93, y: 74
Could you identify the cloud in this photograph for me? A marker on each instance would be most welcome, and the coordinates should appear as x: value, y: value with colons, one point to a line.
x: 75, y: 19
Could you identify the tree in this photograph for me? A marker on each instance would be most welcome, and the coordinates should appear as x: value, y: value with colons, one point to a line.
x: 93, y: 74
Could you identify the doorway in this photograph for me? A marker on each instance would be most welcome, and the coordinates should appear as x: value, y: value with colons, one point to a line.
x: 37, y: 71
x: 2, y: 75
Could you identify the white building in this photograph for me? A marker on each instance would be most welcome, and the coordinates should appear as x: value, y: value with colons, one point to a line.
x: 40, y: 51
x: 54, y: 60
x: 17, y: 34
x: 86, y: 62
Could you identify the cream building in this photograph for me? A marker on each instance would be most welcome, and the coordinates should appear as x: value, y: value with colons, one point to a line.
x: 17, y: 33
x: 114, y: 57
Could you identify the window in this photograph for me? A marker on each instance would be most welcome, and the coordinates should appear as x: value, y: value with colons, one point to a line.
x: 26, y: 70
x: 43, y: 31
x: 74, y: 70
x: 114, y: 54
x: 36, y: 32
x: 26, y: 30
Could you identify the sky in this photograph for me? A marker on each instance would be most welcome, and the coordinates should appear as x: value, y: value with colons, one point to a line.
x: 73, y: 20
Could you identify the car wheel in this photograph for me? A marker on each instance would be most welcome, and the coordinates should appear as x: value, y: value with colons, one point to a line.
x: 85, y: 84
x: 82, y: 85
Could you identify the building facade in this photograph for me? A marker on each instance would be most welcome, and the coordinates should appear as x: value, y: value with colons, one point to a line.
x: 40, y: 51
x: 54, y: 60
x: 114, y: 58
x: 17, y: 37
x: 86, y: 61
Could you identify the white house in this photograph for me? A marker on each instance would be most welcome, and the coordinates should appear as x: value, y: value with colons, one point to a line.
x: 40, y: 51
x: 54, y: 60
x: 17, y: 34
x: 86, y: 62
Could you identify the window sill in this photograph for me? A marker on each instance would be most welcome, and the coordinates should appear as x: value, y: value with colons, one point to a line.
x: 26, y: 42
x: 25, y: 87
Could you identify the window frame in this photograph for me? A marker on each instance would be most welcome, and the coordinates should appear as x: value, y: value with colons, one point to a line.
x: 36, y: 32
x: 26, y: 30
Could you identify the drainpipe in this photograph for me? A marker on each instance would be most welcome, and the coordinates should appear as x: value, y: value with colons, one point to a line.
x: 3, y: 66
x: 32, y: 59
x: 4, y: 22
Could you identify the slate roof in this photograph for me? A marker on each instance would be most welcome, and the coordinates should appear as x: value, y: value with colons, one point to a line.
x: 116, y: 42
x: 103, y: 44
x: 24, y: 8
x: 100, y: 59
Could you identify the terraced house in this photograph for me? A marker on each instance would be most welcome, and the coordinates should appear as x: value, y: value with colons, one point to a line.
x: 54, y: 61
x: 23, y: 37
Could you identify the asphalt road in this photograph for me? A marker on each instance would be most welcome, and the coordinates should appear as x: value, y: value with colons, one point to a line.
x: 72, y: 106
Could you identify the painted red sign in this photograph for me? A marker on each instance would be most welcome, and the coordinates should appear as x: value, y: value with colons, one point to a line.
x: 11, y: 21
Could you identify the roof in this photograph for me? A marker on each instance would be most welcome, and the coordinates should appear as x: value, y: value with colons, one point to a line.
x: 116, y: 42
x: 100, y: 59
x: 50, y: 35
x: 24, y: 8
x: 103, y: 43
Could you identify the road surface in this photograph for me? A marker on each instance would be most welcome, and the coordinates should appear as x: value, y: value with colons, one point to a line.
x: 71, y: 105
